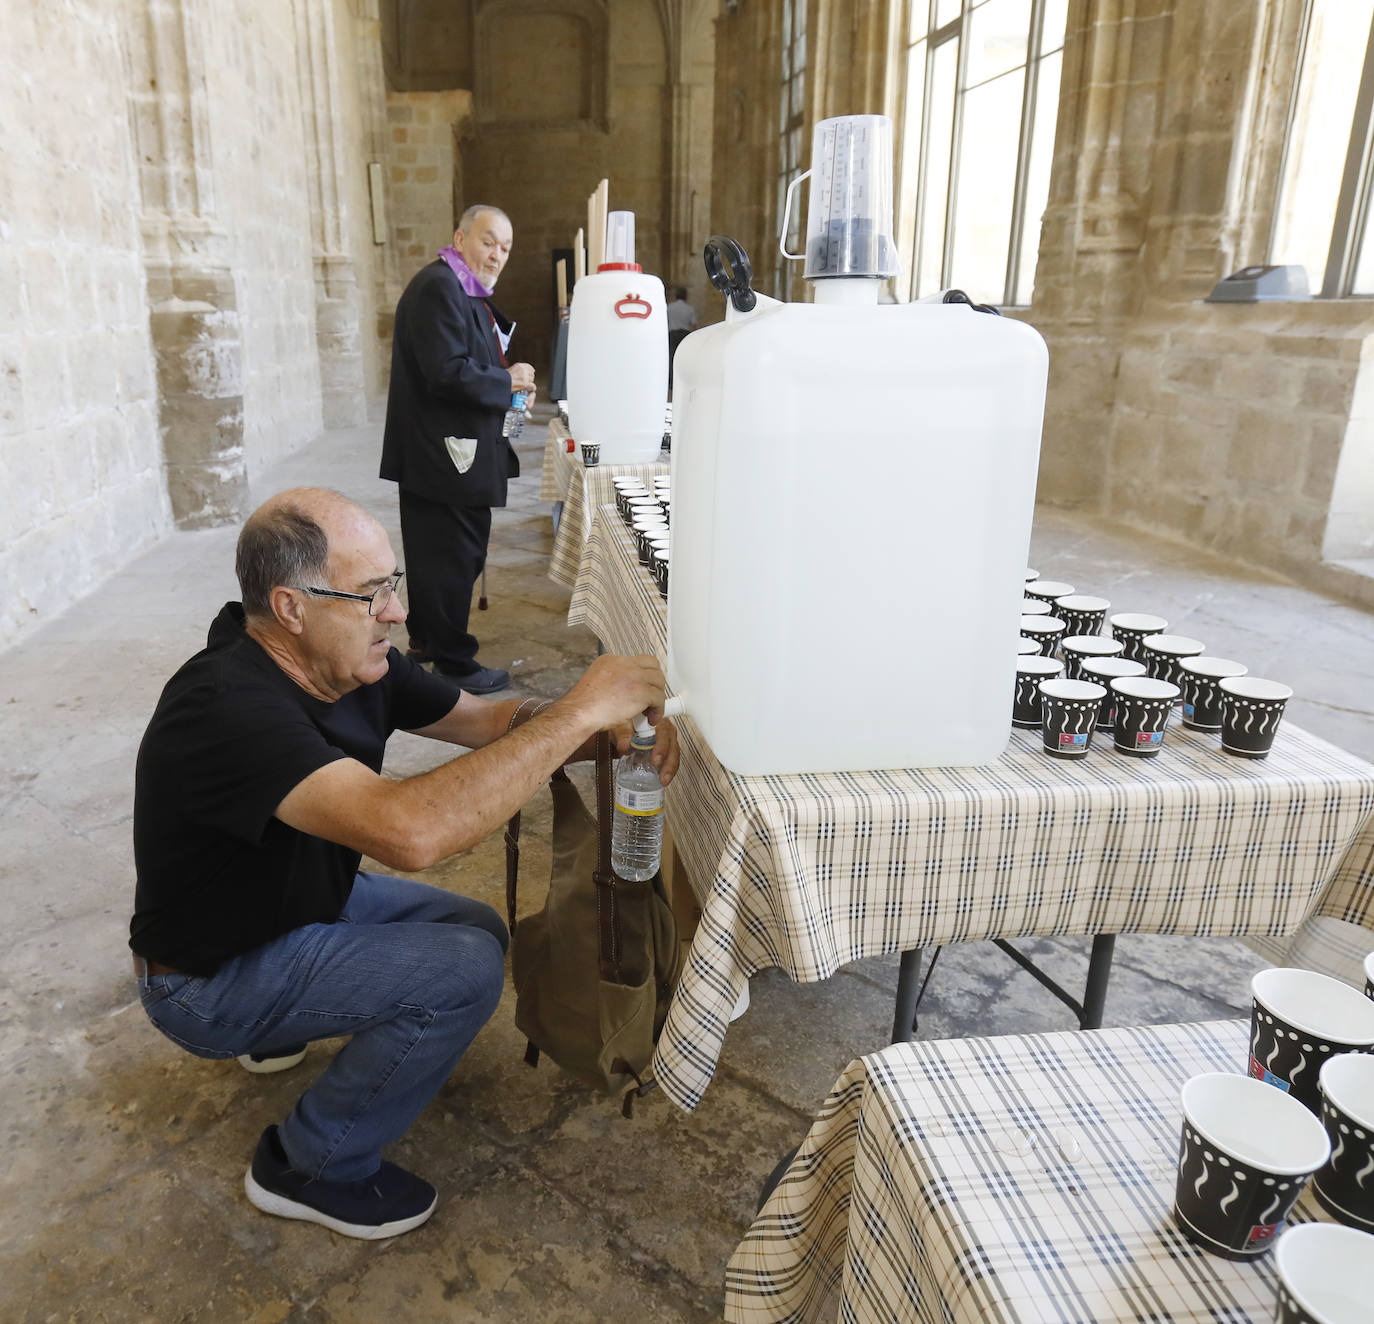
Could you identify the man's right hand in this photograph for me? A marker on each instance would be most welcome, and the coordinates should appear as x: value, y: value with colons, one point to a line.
x: 521, y: 377
x: 618, y: 689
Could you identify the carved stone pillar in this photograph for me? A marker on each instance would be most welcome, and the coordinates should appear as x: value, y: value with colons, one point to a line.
x: 337, y: 305
x: 688, y: 40
x: 193, y: 318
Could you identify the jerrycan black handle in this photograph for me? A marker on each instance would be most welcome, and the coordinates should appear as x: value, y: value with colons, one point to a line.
x: 729, y: 270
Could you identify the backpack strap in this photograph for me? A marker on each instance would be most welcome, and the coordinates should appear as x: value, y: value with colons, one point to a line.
x: 607, y: 916
x: 527, y: 709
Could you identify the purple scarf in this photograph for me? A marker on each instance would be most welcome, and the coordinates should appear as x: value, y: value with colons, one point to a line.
x: 466, y: 279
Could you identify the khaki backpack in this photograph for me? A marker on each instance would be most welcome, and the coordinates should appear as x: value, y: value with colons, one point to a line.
x: 594, y: 968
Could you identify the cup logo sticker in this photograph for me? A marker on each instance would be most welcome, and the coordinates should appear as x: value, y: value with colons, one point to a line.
x: 1260, y: 1072
x: 1263, y: 1232
x: 1149, y: 737
x: 1070, y: 738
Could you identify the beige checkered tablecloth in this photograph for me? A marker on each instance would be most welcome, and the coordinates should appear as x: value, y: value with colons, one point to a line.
x: 811, y: 872
x: 1026, y: 1178
x: 581, y: 490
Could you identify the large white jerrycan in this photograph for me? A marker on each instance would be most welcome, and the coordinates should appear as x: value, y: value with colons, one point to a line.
x: 618, y: 358
x: 853, y: 489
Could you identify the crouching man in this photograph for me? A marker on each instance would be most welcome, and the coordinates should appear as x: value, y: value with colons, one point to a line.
x: 258, y: 790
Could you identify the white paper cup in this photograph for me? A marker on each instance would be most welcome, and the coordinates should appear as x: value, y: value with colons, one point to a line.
x: 1326, y: 1275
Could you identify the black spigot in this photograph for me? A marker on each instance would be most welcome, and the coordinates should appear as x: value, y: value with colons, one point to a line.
x: 729, y: 270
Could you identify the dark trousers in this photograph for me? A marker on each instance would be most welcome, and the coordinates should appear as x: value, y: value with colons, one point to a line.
x: 445, y: 548
x: 675, y: 338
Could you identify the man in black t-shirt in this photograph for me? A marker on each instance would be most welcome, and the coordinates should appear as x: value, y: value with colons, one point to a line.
x: 258, y: 790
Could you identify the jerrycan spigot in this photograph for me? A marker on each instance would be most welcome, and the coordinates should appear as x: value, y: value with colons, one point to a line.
x: 729, y: 270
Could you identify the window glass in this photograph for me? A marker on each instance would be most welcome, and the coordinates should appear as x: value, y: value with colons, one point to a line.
x: 910, y: 162
x: 1038, y: 173
x: 945, y: 11
x: 989, y: 142
x: 999, y: 31
x: 945, y: 62
x: 1052, y: 34
x: 1319, y: 137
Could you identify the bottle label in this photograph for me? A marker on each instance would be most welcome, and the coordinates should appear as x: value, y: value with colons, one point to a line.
x: 639, y: 803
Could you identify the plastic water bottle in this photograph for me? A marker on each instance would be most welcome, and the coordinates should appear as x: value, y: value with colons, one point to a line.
x: 513, y: 425
x: 637, y: 829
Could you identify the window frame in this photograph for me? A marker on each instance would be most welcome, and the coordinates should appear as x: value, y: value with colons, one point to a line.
x: 1350, y: 225
x: 934, y: 38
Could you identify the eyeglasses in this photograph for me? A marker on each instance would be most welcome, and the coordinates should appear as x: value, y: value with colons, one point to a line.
x: 376, y: 600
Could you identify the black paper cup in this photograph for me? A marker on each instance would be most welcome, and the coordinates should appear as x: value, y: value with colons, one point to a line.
x: 591, y: 453
x: 1132, y: 627
x: 1369, y: 975
x: 1031, y: 574
x: 1345, y: 1186
x: 1025, y: 646
x: 1250, y: 714
x: 1326, y: 1275
x: 1047, y: 589
x: 1082, y: 614
x: 1045, y: 630
x: 1245, y: 1154
x: 1161, y: 654
x: 1030, y: 671
x: 1077, y: 649
x: 1300, y: 1019
x: 1143, y: 705
x: 1102, y: 671
x: 1198, y: 679
x: 637, y: 504
x: 1036, y: 607
x: 1068, y: 715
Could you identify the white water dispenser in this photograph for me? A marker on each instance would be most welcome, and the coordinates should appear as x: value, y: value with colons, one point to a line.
x: 618, y: 353
x: 853, y: 489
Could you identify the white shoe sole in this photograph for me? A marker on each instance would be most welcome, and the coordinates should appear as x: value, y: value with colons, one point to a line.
x: 271, y: 1064
x: 279, y: 1205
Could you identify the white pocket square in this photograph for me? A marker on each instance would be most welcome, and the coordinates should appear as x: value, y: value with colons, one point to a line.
x: 462, y: 451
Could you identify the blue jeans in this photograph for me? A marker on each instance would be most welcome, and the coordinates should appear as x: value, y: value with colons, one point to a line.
x: 410, y: 972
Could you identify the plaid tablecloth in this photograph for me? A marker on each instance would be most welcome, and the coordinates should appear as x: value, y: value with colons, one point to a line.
x: 565, y: 478
x: 811, y: 872
x: 1026, y: 1178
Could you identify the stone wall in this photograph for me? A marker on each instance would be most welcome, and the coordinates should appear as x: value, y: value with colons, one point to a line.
x: 1242, y: 428
x: 81, y: 485
x: 258, y: 153
x: 186, y: 267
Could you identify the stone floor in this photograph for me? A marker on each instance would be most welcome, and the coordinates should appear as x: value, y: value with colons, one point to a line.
x: 121, y: 1196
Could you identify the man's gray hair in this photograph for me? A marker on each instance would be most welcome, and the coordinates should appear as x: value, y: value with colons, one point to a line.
x: 281, y: 546
x: 466, y: 219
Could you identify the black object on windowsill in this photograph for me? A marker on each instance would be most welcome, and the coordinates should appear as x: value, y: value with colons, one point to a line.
x: 1262, y: 285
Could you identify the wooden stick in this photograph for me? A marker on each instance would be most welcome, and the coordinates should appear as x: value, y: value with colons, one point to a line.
x: 579, y: 257
x: 603, y: 202
x: 562, y: 282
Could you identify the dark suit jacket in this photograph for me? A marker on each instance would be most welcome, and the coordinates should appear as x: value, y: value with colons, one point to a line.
x: 446, y: 381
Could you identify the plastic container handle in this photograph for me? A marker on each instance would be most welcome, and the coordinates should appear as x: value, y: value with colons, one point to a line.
x: 628, y: 303
x: 729, y: 270
x: 787, y: 219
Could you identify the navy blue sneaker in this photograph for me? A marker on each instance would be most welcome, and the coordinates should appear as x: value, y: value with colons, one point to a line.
x: 389, y: 1202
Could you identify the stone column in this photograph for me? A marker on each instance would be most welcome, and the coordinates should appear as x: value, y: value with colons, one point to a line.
x: 688, y: 42
x: 337, y: 333
x: 193, y: 317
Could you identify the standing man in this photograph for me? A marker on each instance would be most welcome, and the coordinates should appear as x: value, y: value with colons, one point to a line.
x: 450, y: 389
x: 682, y: 318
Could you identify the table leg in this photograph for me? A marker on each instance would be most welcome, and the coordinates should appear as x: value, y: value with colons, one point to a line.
x: 557, y: 516
x: 908, y: 997
x: 1099, y: 971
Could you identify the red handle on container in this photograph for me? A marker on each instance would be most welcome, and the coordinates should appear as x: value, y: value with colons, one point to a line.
x: 628, y: 303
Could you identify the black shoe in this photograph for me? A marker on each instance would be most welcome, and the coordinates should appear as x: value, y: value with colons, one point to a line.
x: 262, y: 1064
x: 389, y: 1202
x: 483, y: 680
